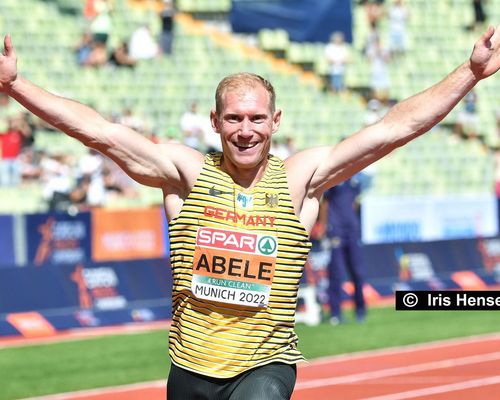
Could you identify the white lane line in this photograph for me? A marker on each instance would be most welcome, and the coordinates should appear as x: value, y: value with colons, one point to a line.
x: 403, y: 349
x: 411, y: 394
x: 80, y: 334
x: 110, y: 389
x: 383, y: 373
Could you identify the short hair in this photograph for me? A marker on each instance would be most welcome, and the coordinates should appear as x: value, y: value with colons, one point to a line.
x: 239, y: 82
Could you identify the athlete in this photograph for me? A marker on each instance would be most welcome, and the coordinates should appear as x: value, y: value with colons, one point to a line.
x: 240, y: 219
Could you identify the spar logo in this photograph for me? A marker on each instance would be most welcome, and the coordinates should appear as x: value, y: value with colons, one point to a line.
x: 267, y: 245
x: 253, y: 243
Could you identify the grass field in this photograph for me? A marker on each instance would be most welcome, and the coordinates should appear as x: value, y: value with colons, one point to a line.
x: 114, y: 360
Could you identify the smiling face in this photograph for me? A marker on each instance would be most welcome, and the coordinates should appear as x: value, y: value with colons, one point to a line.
x: 245, y: 120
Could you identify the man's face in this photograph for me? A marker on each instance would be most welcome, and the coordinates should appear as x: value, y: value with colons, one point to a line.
x: 246, y: 125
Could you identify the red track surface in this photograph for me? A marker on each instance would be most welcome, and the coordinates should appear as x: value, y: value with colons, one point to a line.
x: 460, y: 369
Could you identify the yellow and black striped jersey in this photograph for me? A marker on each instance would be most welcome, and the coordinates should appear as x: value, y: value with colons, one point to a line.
x: 237, y: 257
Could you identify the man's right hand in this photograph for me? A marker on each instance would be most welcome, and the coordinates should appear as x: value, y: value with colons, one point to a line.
x: 8, y: 65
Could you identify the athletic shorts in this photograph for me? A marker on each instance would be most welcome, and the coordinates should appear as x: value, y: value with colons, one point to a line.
x: 273, y: 381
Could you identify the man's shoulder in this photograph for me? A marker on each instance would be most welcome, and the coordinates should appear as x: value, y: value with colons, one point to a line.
x: 301, y: 166
x: 306, y: 158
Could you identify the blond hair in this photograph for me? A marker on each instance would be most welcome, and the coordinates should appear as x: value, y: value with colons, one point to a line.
x: 240, y: 82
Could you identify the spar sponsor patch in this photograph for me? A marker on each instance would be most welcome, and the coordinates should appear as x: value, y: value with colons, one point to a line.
x: 234, y: 266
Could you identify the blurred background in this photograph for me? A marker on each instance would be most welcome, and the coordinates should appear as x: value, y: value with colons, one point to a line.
x: 84, y: 246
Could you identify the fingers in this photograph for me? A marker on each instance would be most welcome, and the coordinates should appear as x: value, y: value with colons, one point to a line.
x: 490, y: 38
x: 7, y: 45
x: 488, y: 35
x: 496, y: 34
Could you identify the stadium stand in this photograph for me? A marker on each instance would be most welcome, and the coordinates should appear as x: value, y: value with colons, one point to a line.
x: 45, y: 33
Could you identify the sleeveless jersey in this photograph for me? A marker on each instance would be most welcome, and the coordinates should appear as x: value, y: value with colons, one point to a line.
x: 237, y: 256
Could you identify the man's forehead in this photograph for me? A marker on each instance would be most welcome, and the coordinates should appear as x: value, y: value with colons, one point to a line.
x: 243, y: 97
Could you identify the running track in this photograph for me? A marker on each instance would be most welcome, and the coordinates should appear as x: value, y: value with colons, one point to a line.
x: 458, y: 369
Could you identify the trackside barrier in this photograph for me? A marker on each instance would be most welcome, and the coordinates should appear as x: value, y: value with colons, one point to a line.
x: 38, y: 301
x: 86, y: 270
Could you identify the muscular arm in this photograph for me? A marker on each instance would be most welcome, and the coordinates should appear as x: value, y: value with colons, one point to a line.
x: 164, y: 166
x: 313, y: 171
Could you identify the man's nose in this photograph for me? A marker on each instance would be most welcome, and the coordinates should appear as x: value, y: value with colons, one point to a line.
x: 246, y: 127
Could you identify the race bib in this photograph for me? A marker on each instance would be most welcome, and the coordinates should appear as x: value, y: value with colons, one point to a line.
x: 234, y: 267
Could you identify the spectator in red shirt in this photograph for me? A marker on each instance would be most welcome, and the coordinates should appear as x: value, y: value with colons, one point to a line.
x: 12, y: 142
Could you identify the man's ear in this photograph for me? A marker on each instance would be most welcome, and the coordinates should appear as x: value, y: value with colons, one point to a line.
x: 276, y: 121
x: 214, y: 120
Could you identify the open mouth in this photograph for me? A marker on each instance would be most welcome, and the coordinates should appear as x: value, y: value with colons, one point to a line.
x: 245, y: 146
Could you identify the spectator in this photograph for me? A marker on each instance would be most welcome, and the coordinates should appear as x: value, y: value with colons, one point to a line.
x: 467, y: 123
x: 343, y: 230
x: 89, y: 10
x: 98, y: 55
x: 282, y: 148
x: 167, y: 14
x: 120, y: 57
x: 337, y: 56
x: 83, y: 49
x: 211, y: 141
x: 21, y: 123
x: 99, y: 179
x: 101, y: 25
x: 372, y: 37
x: 90, y: 53
x: 8, y: 109
x: 90, y: 189
x: 79, y: 195
x: 379, y: 60
x: 128, y: 118
x: 197, y: 130
x: 398, y: 17
x: 118, y: 183
x: 56, y: 175
x: 12, y: 141
x: 375, y: 110
x: 192, y: 126
x: 290, y: 144
x: 142, y: 45
x: 29, y: 165
x: 479, y: 15
x: 374, y: 10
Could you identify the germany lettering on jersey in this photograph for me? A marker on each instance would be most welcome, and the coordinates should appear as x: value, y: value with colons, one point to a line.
x: 233, y: 266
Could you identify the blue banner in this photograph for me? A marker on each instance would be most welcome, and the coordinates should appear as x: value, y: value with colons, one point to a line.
x: 7, y: 254
x: 58, y: 238
x: 88, y: 294
x: 304, y: 20
x: 99, y: 286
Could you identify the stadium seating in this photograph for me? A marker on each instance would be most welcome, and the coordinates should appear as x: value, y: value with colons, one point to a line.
x: 45, y: 32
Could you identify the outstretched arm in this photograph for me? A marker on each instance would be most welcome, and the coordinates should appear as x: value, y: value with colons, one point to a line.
x: 327, y: 166
x: 162, y: 166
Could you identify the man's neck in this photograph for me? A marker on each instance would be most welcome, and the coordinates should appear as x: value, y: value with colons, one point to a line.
x: 244, y: 177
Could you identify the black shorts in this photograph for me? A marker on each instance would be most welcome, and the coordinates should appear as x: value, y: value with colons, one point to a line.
x: 273, y: 381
